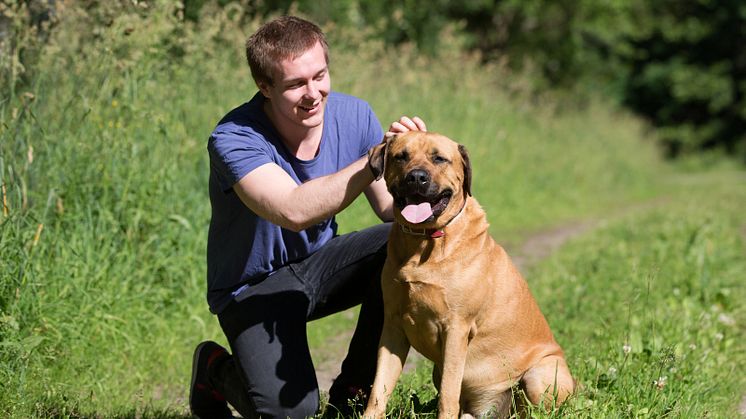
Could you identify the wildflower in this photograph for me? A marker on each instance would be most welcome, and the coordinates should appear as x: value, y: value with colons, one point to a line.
x: 719, y: 336
x: 660, y: 382
x: 726, y: 319
x: 114, y: 103
x: 692, y: 347
x: 626, y: 348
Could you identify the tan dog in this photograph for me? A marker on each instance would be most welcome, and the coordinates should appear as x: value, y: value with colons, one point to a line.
x: 453, y: 294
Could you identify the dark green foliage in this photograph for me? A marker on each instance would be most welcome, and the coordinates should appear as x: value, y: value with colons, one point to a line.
x: 680, y: 63
x: 686, y: 71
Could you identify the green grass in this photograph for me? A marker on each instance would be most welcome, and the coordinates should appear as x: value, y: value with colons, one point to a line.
x: 102, y: 247
x: 668, y: 282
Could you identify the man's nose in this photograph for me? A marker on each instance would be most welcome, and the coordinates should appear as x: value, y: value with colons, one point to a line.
x: 312, y: 90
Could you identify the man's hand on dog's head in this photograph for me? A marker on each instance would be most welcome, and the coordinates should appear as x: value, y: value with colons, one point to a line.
x: 405, y: 124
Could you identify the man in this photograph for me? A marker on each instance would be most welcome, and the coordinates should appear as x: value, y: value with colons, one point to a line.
x: 281, y: 166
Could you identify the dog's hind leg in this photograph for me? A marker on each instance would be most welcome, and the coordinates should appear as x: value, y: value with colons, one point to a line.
x: 549, y: 382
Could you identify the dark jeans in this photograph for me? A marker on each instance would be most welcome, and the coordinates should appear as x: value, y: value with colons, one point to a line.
x: 270, y: 373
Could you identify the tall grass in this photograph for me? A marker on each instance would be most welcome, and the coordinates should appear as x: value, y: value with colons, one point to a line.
x: 105, y: 210
x: 649, y: 309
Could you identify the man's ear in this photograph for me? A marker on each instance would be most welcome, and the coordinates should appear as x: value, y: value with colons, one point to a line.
x: 377, y: 158
x: 467, y: 170
x: 263, y: 88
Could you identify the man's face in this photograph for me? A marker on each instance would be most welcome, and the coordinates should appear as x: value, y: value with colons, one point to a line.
x: 301, y: 85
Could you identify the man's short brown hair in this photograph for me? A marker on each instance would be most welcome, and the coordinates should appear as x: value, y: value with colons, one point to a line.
x: 286, y: 37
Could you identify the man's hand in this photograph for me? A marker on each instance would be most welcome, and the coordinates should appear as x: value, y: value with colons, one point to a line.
x: 405, y: 124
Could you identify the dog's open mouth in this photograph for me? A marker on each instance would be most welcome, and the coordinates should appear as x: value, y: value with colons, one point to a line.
x: 418, y: 209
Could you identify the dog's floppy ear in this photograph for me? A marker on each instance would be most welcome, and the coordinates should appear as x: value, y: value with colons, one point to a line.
x: 377, y: 158
x: 467, y: 170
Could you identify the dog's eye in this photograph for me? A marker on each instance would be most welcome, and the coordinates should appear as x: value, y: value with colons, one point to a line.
x: 401, y: 157
x: 440, y: 159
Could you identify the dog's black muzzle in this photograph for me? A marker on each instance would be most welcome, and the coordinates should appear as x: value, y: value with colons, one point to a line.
x: 418, y: 182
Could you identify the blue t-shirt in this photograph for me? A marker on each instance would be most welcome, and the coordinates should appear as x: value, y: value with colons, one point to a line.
x: 241, y: 246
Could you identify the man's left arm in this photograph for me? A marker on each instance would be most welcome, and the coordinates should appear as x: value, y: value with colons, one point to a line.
x: 380, y: 200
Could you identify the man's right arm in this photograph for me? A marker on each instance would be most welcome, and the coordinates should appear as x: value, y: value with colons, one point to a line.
x: 273, y: 195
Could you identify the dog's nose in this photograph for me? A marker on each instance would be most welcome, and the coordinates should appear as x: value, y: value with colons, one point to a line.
x: 417, y: 178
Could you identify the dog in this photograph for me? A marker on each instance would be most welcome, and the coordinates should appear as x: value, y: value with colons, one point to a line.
x: 453, y: 294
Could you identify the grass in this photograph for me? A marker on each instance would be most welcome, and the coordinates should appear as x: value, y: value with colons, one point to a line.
x: 105, y: 214
x: 649, y: 308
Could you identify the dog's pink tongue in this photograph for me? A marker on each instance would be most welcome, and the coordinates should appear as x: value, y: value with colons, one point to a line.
x: 416, y: 214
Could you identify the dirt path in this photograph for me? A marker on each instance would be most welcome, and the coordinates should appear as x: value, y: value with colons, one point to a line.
x: 536, y: 247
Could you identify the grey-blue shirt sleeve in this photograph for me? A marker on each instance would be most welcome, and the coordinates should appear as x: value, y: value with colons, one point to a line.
x: 235, y: 153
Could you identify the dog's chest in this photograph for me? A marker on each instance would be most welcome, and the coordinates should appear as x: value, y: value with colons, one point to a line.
x: 422, y: 310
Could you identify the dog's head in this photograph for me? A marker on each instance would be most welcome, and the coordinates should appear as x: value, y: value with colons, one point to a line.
x: 428, y: 174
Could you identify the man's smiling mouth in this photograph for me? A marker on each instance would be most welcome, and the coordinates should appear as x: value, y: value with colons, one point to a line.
x: 310, y: 108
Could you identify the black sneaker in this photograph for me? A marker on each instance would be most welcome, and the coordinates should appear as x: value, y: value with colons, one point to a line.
x: 204, y: 401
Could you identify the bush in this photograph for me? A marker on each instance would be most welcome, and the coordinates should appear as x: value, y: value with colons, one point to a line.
x: 685, y: 71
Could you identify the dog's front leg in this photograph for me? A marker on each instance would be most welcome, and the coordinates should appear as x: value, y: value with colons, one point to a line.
x: 455, y: 338
x: 392, y: 352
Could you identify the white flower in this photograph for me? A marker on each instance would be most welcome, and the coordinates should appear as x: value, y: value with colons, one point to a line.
x: 726, y: 319
x: 626, y: 348
x: 719, y: 336
x: 660, y: 382
x: 692, y: 347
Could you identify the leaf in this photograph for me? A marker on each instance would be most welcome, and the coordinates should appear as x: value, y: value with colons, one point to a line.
x: 181, y: 220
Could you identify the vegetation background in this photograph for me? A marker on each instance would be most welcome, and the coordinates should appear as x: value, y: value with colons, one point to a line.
x: 571, y: 110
